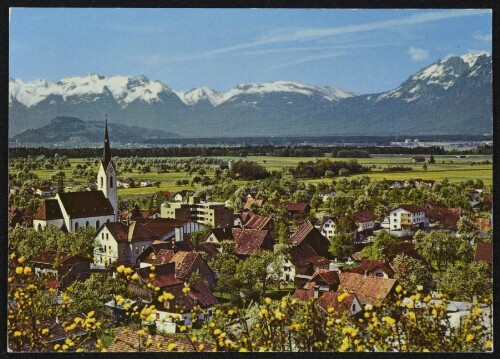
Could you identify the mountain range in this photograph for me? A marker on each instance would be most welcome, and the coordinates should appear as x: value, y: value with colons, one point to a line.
x: 450, y: 96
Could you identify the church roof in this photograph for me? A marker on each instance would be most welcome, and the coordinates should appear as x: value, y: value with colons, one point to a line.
x: 49, y: 210
x: 106, y: 158
x: 86, y: 204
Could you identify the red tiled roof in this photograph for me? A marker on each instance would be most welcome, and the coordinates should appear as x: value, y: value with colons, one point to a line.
x: 297, y: 207
x: 302, y: 233
x: 258, y: 222
x: 303, y: 294
x: 134, y: 232
x: 201, y: 292
x: 372, y: 290
x: 330, y: 300
x: 86, y: 204
x: 364, y: 216
x: 412, y: 208
x: 184, y: 262
x: 369, y: 265
x: 51, y: 257
x: 304, y: 255
x: 248, y: 241
x: 484, y: 252
x: 161, y: 226
x: 49, y: 210
x: 327, y: 277
x: 128, y: 340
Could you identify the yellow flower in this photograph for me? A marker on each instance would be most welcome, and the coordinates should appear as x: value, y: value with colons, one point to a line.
x: 183, y: 328
x: 186, y: 289
x: 65, y: 347
x: 389, y: 320
x: 469, y: 337
x: 230, y: 312
x: 91, y: 314
x: 488, y: 344
x: 399, y: 288
x: 152, y: 268
x: 330, y: 309
x: 425, y: 350
x: 17, y: 333
x: 45, y: 331
x: 242, y: 350
x: 79, y: 350
x: 135, y: 276
x: 267, y: 300
x: 152, y: 275
x: 27, y: 270
x: 411, y: 315
x: 283, y: 304
x: 341, y: 297
x: 127, y: 270
x: 103, y: 350
x: 19, y: 270
x: 21, y: 260
x: 120, y: 269
x: 56, y: 346
x: 420, y: 287
x: 263, y: 312
x: 201, y: 347
x: 171, y: 347
x: 193, y: 339
x: 368, y: 307
x: 141, y: 332
x: 217, y: 331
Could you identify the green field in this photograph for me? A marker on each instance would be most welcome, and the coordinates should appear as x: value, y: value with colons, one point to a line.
x: 459, y: 170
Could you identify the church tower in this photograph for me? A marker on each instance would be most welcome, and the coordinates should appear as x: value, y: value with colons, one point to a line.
x: 106, y: 177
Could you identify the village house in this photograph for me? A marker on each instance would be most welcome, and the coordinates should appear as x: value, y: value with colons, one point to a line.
x: 181, y: 196
x: 43, y: 191
x: 405, y: 219
x: 176, y: 310
x: 61, y: 267
x: 418, y: 159
x: 368, y: 289
x: 327, y: 227
x: 126, y: 183
x: 441, y: 217
x: 365, y: 221
x: 84, y: 209
x: 145, y: 183
x: 374, y: 268
x: 309, y: 253
x: 186, y: 263
x: 17, y: 218
x: 324, y: 195
x: 250, y: 241
x: 119, y: 242
x: 252, y: 202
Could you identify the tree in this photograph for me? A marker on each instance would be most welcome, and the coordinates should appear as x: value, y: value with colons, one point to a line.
x: 344, y: 172
x: 384, y: 243
x: 431, y: 159
x: 253, y: 273
x: 411, y: 273
x: 198, y: 236
x: 425, y: 166
x: 341, y: 245
x: 463, y: 282
x: 439, y: 246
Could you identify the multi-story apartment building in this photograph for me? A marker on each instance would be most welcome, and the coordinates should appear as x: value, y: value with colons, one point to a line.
x: 405, y: 218
x: 212, y: 213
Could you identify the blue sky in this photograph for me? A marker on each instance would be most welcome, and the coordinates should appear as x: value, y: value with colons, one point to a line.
x: 364, y: 51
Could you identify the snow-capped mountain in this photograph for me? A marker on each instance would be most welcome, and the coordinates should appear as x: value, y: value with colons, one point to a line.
x: 450, y: 96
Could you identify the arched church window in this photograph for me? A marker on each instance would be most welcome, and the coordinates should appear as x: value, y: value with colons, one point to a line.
x: 76, y: 226
x: 111, y: 182
x: 102, y: 181
x: 108, y: 221
x: 39, y: 226
x: 97, y: 224
x: 87, y: 224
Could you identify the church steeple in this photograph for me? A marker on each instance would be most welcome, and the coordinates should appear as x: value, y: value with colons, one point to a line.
x: 107, y: 151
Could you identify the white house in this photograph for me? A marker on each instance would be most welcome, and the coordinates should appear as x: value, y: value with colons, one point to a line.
x: 324, y: 195
x: 405, y: 218
x: 121, y: 242
x: 328, y: 227
x: 145, y: 183
x: 364, y: 220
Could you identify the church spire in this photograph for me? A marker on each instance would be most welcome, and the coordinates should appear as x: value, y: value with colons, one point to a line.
x: 107, y: 151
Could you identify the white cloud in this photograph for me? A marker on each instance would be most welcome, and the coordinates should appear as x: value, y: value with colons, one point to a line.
x: 417, y: 54
x: 482, y: 37
x: 307, y: 59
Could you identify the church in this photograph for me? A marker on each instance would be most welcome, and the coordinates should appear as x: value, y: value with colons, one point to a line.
x: 73, y: 210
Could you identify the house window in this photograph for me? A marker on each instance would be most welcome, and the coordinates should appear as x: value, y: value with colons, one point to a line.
x: 142, y: 248
x: 111, y: 182
x: 136, y: 250
x: 354, y: 307
x: 102, y: 235
x: 107, y: 235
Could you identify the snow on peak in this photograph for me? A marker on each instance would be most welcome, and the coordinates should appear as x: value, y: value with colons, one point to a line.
x: 195, y: 95
x: 471, y: 59
x: 124, y: 89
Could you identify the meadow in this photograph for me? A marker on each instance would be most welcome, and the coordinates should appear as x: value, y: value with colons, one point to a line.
x: 446, y: 166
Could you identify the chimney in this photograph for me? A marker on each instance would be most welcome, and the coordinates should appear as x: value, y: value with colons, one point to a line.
x: 179, y: 234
